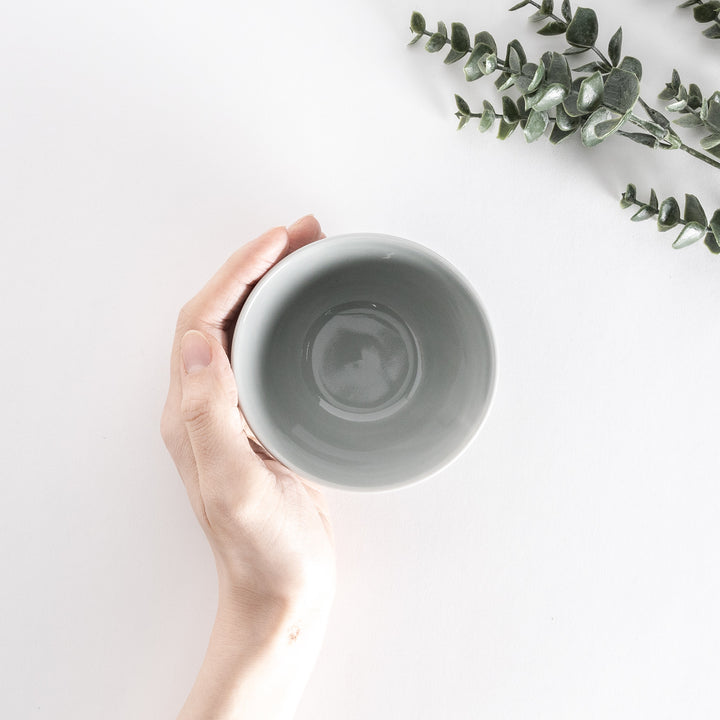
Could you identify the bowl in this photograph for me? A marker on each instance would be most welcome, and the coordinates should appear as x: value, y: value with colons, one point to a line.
x: 364, y: 362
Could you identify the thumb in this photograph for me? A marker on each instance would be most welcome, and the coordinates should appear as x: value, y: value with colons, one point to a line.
x: 227, y: 465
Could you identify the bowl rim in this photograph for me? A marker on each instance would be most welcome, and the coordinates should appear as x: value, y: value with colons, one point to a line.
x: 389, y: 240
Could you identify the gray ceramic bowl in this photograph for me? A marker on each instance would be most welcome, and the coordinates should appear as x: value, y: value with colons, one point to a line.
x: 363, y: 362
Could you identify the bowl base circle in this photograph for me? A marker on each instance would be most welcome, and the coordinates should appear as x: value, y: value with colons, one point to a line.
x: 361, y: 361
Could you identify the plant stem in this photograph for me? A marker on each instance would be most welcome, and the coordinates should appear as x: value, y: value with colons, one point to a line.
x: 690, y: 151
x: 656, y: 212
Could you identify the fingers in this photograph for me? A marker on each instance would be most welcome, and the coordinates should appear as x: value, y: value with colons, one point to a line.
x: 228, y: 470
x: 303, y: 232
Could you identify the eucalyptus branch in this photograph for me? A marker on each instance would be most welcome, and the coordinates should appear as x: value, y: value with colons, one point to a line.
x: 598, y: 101
x: 705, y: 12
x: 694, y: 220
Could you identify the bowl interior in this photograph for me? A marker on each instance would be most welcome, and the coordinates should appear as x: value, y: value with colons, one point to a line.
x: 363, y: 361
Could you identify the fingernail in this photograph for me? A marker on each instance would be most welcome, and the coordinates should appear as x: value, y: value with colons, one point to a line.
x: 196, y: 351
x: 297, y: 222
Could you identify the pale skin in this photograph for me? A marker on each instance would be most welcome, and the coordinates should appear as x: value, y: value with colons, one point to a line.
x: 267, y: 527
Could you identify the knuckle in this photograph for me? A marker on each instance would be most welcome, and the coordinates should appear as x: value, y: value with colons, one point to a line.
x: 195, y: 410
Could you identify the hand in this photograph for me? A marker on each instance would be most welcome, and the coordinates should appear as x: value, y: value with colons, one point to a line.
x: 268, y: 528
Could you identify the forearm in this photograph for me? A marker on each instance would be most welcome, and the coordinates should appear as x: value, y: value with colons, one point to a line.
x: 257, y: 663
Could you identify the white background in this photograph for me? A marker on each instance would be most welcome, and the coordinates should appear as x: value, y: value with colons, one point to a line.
x: 564, y: 567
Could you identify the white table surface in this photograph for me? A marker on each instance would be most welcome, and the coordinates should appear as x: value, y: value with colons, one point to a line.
x: 566, y: 566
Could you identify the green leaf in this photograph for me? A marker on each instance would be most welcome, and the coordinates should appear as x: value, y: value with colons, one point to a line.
x: 675, y: 80
x: 472, y: 68
x: 502, y: 79
x: 459, y: 38
x: 453, y: 56
x: 583, y: 29
x: 690, y: 234
x: 712, y: 244
x: 487, y: 39
x: 520, y: 5
x: 687, y: 3
x: 632, y: 65
x: 655, y: 115
x: 591, y: 134
x: 713, y: 116
x: 714, y: 226
x: 710, y: 141
x: 537, y: 78
x: 653, y: 202
x: 553, y: 28
x: 644, y: 213
x: 575, y: 50
x: 640, y: 138
x: 519, y: 49
x: 564, y: 121
x: 462, y: 106
x: 622, y: 90
x: 566, y: 10
x: 669, y: 215
x: 435, y: 43
x: 514, y: 61
x: 695, y: 96
x: 509, y: 110
x: 713, y: 31
x: 557, y: 135
x: 629, y: 196
x: 546, y: 97
x: 547, y: 6
x: 570, y: 106
x: 591, y: 92
x: 464, y: 119
x: 590, y: 67
x: 557, y: 71
x: 486, y: 119
x: 536, y: 125
x: 694, y: 210
x: 705, y: 13
x: 417, y: 23
x: 506, y: 129
x: 615, y: 47
x: 688, y: 120
x: 415, y: 39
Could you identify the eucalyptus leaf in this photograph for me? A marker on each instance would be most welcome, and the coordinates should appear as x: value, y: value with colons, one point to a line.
x: 563, y: 120
x: 459, y: 38
x: 632, y: 65
x: 509, y: 110
x: 520, y: 5
x: 435, y: 43
x: 570, y: 106
x: 711, y: 241
x: 714, y: 226
x: 653, y: 201
x: 415, y: 39
x: 536, y: 125
x: 462, y: 106
x: 553, y: 28
x: 713, y: 116
x: 583, y: 28
x: 655, y: 115
x: 669, y: 214
x: 575, y: 50
x: 710, y: 141
x: 591, y: 92
x: 417, y: 23
x: 453, y: 56
x: 705, y: 13
x: 506, y: 129
x: 537, y: 78
x: 502, y: 79
x: 464, y: 119
x: 602, y: 123
x: 644, y: 213
x: 629, y: 196
x: 690, y: 234
x: 472, y: 68
x: 519, y: 49
x: 487, y: 39
x: 640, y: 138
x: 514, y: 61
x: 486, y: 120
x: 557, y: 71
x: 615, y: 47
x: 546, y: 97
x: 622, y: 90
x: 557, y: 135
x: 713, y: 32
x: 694, y: 210
x: 590, y: 67
x: 566, y: 10
x: 688, y: 120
